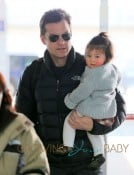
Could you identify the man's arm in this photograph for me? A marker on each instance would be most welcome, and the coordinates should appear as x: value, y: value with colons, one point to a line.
x: 119, y: 118
x: 88, y: 124
x: 25, y: 102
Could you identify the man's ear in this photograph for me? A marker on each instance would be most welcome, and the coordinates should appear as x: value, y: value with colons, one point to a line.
x: 42, y: 37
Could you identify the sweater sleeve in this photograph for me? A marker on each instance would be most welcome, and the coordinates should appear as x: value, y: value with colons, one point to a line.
x: 79, y: 94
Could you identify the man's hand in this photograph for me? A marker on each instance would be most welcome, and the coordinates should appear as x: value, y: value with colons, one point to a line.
x: 80, y: 122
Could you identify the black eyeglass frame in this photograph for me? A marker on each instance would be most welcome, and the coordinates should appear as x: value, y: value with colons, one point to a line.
x: 54, y: 38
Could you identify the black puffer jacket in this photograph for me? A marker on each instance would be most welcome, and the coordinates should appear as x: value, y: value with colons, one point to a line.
x: 44, y: 104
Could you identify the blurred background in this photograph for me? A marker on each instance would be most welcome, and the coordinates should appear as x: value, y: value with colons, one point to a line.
x: 20, y: 44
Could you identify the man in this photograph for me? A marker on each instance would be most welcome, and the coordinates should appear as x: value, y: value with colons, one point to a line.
x: 41, y: 93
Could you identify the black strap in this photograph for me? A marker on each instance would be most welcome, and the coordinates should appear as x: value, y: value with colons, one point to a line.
x: 34, y: 171
x: 13, y: 148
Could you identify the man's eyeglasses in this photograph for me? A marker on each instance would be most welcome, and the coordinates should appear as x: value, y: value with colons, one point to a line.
x: 53, y: 38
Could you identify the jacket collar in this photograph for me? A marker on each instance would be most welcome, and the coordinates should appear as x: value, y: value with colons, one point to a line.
x: 49, y: 63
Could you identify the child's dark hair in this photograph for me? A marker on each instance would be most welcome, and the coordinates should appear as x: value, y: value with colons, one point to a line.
x: 102, y: 42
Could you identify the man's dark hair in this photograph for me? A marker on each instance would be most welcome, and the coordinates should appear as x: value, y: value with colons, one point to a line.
x: 53, y: 16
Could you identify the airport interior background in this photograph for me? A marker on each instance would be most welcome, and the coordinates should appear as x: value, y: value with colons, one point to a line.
x: 20, y: 44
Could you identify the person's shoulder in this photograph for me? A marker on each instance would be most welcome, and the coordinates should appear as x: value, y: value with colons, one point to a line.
x: 18, y: 125
x: 31, y: 68
x: 79, y: 56
x: 114, y: 67
x: 115, y: 70
x: 35, y: 62
x: 24, y: 121
x: 108, y: 67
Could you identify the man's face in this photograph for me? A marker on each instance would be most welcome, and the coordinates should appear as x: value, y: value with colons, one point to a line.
x: 58, y: 39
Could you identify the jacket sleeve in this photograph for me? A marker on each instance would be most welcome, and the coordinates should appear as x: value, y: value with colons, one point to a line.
x: 35, y: 157
x: 99, y: 129
x: 25, y: 102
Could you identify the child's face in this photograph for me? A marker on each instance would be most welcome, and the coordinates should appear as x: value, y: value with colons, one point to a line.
x: 95, y: 58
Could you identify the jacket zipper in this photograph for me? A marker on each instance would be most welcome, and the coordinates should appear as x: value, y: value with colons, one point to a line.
x: 57, y: 89
x: 57, y: 85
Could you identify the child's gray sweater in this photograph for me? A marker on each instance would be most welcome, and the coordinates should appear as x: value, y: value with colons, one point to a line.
x: 95, y: 95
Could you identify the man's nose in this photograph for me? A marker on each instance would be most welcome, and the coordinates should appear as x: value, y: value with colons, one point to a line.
x: 61, y: 40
